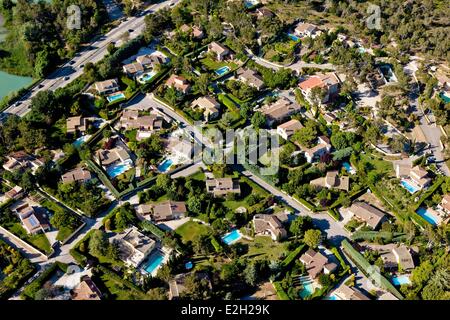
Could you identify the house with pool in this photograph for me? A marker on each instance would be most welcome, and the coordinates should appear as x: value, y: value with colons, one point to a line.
x: 316, y: 263
x: 444, y: 206
x: 134, y: 246
x: 412, y: 179
x: 133, y: 70
x: 304, y: 29
x: 107, y: 87
x: 115, y: 161
x: 163, y: 211
x: 219, y: 51
x: 366, y: 213
x: 77, y: 124
x: 269, y: 224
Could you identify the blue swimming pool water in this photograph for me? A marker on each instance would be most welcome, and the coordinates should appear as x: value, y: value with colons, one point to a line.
x: 332, y: 297
x: 408, y: 187
x: 231, y: 237
x: 153, y: 262
x: 308, y: 288
x: 399, y: 280
x: 250, y: 3
x: 115, y: 97
x: 77, y: 143
x: 165, y: 165
x: 148, y: 76
x: 293, y: 37
x: 188, y: 265
x: 444, y: 98
x: 428, y: 216
x: 117, y: 170
x: 348, y: 167
x: 221, y: 71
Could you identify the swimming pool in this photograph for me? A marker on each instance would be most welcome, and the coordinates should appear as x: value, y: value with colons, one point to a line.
x: 153, y: 262
x: 189, y: 265
x: 428, y: 216
x: 293, y: 37
x: 232, y: 237
x: 348, y: 167
x: 331, y: 297
x: 250, y: 3
x: 165, y: 165
x: 399, y: 280
x: 77, y: 143
x: 147, y: 76
x: 221, y: 71
x: 115, y: 97
x: 117, y: 170
x: 412, y: 189
x: 308, y: 287
x: 444, y: 97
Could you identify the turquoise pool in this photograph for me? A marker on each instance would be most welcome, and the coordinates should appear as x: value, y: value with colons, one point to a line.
x: 332, y: 297
x: 444, y: 97
x: 153, y: 262
x: 221, y: 71
x: 409, y: 187
x: 428, y: 216
x: 148, y: 76
x: 348, y: 167
x: 165, y: 165
x: 117, y: 170
x: 399, y: 280
x: 115, y: 97
x: 231, y: 237
x: 189, y: 265
x: 293, y: 37
x: 250, y: 3
x: 308, y: 287
x: 77, y: 143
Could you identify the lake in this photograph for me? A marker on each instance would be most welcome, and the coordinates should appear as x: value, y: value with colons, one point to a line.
x: 10, y: 83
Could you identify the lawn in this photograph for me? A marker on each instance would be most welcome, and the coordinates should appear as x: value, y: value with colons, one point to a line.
x: 119, y: 291
x: 380, y: 165
x: 191, y: 229
x: 212, y: 64
x: 39, y: 241
x: 264, y: 248
x: 199, y: 176
x: 248, y: 187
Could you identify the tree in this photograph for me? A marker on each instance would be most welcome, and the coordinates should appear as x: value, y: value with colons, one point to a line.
x: 258, y: 120
x: 202, y: 83
x: 312, y: 238
x: 194, y: 204
x: 229, y: 272
x: 298, y: 226
x: 250, y: 274
x: 98, y: 244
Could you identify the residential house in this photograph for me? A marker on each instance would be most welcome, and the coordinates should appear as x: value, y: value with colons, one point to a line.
x: 144, y: 210
x: 209, y: 105
x: 77, y: 124
x: 177, y: 287
x: 168, y: 210
x: 316, y: 263
x: 328, y: 83
x: 180, y: 148
x: 86, y: 290
x: 263, y: 12
x: 304, y: 29
x: 251, y: 78
x: 279, y: 110
x: 76, y: 175
x: 116, y: 155
x: 178, y: 82
x: 365, y: 212
x: 133, y: 70
x: 420, y: 177
x: 145, y: 125
x: 332, y: 180
x: 322, y: 147
x: 21, y: 160
x: 145, y: 61
x: 287, y: 129
x: 134, y: 247
x: 223, y: 186
x: 269, y: 224
x: 220, y: 51
x: 329, y: 117
x: 33, y: 221
x: 445, y: 204
x: 197, y: 32
x: 107, y: 86
x: 15, y: 193
x: 345, y: 292
x: 403, y: 257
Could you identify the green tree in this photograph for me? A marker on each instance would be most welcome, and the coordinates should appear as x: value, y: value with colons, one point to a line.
x: 258, y: 120
x: 312, y: 238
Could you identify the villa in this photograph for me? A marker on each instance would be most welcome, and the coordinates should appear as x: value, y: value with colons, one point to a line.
x: 332, y: 181
x: 134, y: 247
x: 416, y: 176
x: 366, y: 213
x: 34, y: 222
x: 251, y: 78
x: 304, y: 29
x: 76, y: 175
x: 316, y: 263
x: 222, y: 186
x: 268, y: 224
x: 220, y: 51
x: 328, y: 82
x: 111, y: 157
x: 280, y: 110
x: 209, y: 105
x: 403, y: 257
x: 180, y: 148
x: 329, y: 118
x: 145, y: 125
x: 177, y: 287
x: 322, y: 147
x: 107, y: 86
x: 349, y: 293
x: 196, y: 31
x: 21, y: 160
x: 133, y: 70
x: 168, y: 210
x: 444, y: 206
x: 15, y: 193
x: 77, y: 124
x: 263, y: 12
x: 178, y: 82
x: 86, y: 290
x: 287, y: 129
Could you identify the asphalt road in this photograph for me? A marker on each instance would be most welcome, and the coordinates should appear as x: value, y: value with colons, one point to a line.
x: 96, y: 51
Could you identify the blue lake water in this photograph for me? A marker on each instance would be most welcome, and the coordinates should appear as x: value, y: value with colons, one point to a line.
x: 10, y: 83
x: 428, y: 216
x: 231, y: 237
x: 221, y: 71
x: 153, y: 262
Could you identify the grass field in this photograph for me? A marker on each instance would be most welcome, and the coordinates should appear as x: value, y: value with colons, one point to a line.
x: 191, y: 229
x: 380, y: 165
x: 40, y: 241
x: 264, y: 248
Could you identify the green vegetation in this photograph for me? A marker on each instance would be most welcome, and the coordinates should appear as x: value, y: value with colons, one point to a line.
x: 191, y: 230
x: 32, y: 290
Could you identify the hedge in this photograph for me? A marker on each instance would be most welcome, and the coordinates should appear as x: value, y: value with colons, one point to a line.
x: 371, y: 235
x: 352, y: 196
x: 216, y: 245
x: 103, y: 177
x: 345, y: 266
x: 368, y: 270
x: 429, y: 192
x: 306, y: 203
x: 150, y: 227
x: 280, y: 291
x: 30, y: 291
x: 334, y: 214
x: 223, y: 98
x: 294, y: 254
